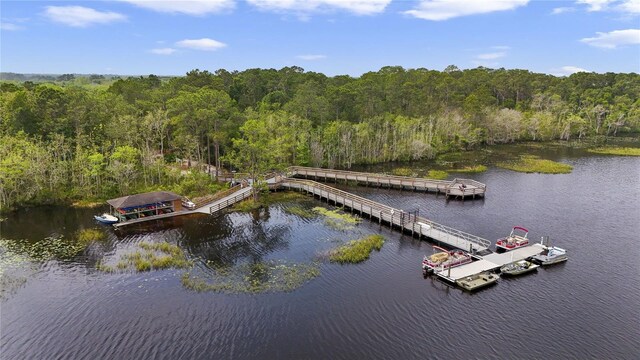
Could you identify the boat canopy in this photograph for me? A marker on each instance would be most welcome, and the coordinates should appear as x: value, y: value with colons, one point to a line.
x: 136, y: 200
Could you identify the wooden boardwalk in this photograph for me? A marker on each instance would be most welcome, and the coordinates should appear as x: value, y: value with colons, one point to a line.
x: 395, y: 218
x: 456, y: 188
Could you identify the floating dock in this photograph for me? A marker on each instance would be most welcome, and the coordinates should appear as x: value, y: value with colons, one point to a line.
x: 489, y: 262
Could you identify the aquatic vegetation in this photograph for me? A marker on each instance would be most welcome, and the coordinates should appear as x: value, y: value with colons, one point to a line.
x: 437, y: 174
x: 270, y: 276
x: 336, y: 219
x: 301, y: 212
x: 15, y: 269
x: 247, y: 205
x: 470, y: 169
x: 86, y: 236
x: 533, y: 164
x: 620, y: 151
x: 52, y: 247
x: 402, y: 171
x: 335, y: 214
x: 282, y: 196
x: 356, y: 251
x: 149, y: 256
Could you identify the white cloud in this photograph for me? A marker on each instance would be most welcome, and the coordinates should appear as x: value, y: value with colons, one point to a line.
x: 613, y: 39
x: 191, y: 7
x: 205, y: 44
x: 491, y: 56
x: 10, y: 27
x: 501, y: 47
x: 568, y: 70
x: 311, y: 57
x: 562, y: 10
x: 438, y: 10
x: 358, y: 7
x: 630, y: 6
x: 80, y: 16
x: 163, y: 51
x: 595, y: 5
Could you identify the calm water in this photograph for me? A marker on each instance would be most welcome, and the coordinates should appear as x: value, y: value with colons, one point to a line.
x: 383, y: 308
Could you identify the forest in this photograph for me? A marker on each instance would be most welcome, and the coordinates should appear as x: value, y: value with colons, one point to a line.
x: 68, y: 138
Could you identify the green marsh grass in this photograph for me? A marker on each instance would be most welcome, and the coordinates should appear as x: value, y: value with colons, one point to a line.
x: 470, y: 169
x: 402, y: 171
x: 620, y: 151
x: 86, y: 236
x: 533, y: 164
x: 336, y: 219
x: 357, y: 251
x: 149, y: 256
x: 437, y: 174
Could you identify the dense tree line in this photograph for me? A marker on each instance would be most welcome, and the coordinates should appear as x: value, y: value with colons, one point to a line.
x: 73, y: 138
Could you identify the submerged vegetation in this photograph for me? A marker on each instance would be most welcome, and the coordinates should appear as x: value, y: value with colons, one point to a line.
x: 336, y: 219
x: 620, y: 151
x: 148, y: 256
x: 357, y: 251
x: 270, y: 276
x: 533, y: 164
x: 52, y: 247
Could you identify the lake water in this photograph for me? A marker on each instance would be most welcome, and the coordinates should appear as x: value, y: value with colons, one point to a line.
x: 588, y: 307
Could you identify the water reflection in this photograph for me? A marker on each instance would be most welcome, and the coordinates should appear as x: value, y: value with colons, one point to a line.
x: 382, y: 308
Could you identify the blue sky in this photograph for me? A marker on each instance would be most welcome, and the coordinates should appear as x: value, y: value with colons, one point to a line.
x: 140, y: 37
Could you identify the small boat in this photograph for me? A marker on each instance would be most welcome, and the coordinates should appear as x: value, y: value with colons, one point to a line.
x: 518, y: 268
x: 444, y: 259
x: 514, y: 240
x: 551, y: 255
x: 477, y: 281
x: 106, y: 218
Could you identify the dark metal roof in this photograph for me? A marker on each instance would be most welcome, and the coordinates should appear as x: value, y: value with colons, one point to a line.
x: 143, y: 199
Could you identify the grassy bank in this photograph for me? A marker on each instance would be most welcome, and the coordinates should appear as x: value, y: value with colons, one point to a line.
x: 619, y: 151
x: 357, y: 251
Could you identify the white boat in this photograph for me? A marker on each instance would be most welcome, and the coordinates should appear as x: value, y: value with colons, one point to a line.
x: 551, y: 255
x: 514, y: 240
x: 106, y: 218
x: 444, y: 259
x: 518, y: 268
x: 477, y: 281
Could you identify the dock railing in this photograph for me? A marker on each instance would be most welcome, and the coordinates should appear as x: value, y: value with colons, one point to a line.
x: 388, y: 214
x: 239, y: 196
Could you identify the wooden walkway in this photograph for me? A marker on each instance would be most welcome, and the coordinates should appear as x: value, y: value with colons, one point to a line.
x: 456, y: 188
x: 395, y: 218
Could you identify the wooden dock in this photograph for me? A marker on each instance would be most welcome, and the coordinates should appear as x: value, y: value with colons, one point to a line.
x: 395, y: 218
x: 489, y: 262
x: 461, y: 188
